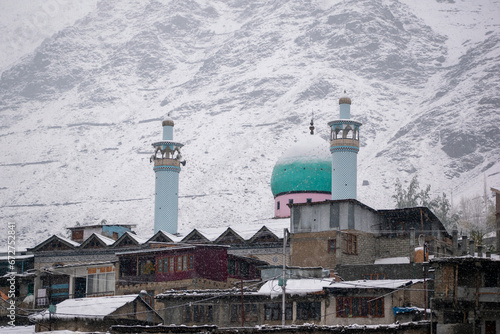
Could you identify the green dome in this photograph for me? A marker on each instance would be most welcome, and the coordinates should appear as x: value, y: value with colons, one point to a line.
x: 306, y: 167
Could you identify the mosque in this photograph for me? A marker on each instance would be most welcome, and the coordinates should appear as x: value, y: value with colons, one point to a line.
x: 314, y: 184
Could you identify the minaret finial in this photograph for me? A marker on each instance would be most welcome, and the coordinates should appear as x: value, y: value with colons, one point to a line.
x: 311, y: 127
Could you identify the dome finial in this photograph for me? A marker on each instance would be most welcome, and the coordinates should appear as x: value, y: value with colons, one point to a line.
x: 345, y: 99
x: 311, y: 127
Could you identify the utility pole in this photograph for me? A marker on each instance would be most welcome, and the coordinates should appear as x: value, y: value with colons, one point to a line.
x: 283, y: 288
x: 242, y: 308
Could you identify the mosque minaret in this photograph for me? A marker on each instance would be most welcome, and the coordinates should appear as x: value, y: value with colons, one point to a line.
x: 344, y: 147
x: 167, y: 166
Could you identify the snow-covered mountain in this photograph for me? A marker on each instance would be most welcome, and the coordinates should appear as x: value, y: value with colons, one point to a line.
x: 241, y: 80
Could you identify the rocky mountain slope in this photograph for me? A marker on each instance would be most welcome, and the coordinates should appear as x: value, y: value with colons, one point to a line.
x: 241, y: 80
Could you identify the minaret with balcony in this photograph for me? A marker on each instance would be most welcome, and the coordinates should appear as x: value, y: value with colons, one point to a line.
x: 167, y: 166
x: 344, y: 146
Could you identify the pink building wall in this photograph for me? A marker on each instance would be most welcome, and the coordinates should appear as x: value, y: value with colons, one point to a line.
x: 284, y: 210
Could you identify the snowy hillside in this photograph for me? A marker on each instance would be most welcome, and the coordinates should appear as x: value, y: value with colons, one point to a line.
x: 241, y: 80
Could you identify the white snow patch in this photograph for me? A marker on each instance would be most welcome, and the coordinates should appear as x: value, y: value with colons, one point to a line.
x: 393, y: 260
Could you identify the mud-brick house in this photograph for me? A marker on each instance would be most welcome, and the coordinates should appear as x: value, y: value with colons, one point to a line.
x: 319, y: 301
x: 96, y: 314
x: 182, y: 266
x: 467, y: 294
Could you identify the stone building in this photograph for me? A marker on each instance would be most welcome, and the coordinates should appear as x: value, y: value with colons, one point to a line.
x: 314, y: 301
x: 96, y: 314
x: 467, y: 293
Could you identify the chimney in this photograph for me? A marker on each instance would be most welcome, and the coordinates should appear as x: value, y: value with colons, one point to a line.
x: 480, y: 251
x: 454, y: 238
x: 464, y: 245
x: 472, y: 247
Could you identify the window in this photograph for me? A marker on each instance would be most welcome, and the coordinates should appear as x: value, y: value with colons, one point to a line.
x: 309, y: 311
x: 290, y: 201
x: 360, y: 307
x: 179, y: 263
x: 332, y: 245
x: 172, y: 264
x: 374, y: 276
x: 350, y: 243
x: 244, y: 269
x: 199, y: 313
x: 190, y: 262
x: 100, y: 281
x: 146, y: 267
x: 273, y: 311
x: 77, y: 234
x: 309, y: 200
x: 250, y: 312
x: 278, y: 205
x: 231, y: 267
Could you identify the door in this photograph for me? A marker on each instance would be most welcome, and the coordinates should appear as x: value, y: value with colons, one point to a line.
x: 80, y: 286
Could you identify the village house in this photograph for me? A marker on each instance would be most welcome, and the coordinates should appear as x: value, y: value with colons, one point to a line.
x: 65, y: 268
x: 319, y: 301
x: 182, y: 267
x: 467, y: 293
x: 96, y: 314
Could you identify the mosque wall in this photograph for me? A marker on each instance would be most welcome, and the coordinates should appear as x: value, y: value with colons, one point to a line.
x: 333, y: 215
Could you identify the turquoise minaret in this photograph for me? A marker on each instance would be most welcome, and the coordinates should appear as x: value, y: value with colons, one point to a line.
x: 167, y: 166
x: 344, y: 146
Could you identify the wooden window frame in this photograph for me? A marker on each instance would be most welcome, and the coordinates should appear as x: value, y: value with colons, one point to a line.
x: 350, y: 243
x: 360, y: 307
x: 77, y: 235
x: 330, y: 243
x: 177, y: 263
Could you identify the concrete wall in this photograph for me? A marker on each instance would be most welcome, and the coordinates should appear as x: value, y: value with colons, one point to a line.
x: 333, y: 215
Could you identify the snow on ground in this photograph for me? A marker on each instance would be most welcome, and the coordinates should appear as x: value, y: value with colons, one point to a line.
x: 31, y: 330
x: 24, y: 24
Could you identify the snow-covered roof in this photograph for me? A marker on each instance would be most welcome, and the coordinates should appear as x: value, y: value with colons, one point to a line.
x: 295, y: 286
x: 88, y: 308
x: 393, y: 260
x: 159, y: 249
x: 494, y: 257
x: 107, y: 241
x: 204, y: 293
x: 374, y: 284
x: 305, y: 286
x: 79, y: 264
x: 137, y: 238
x: 69, y: 241
x: 173, y: 237
x: 246, y: 231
